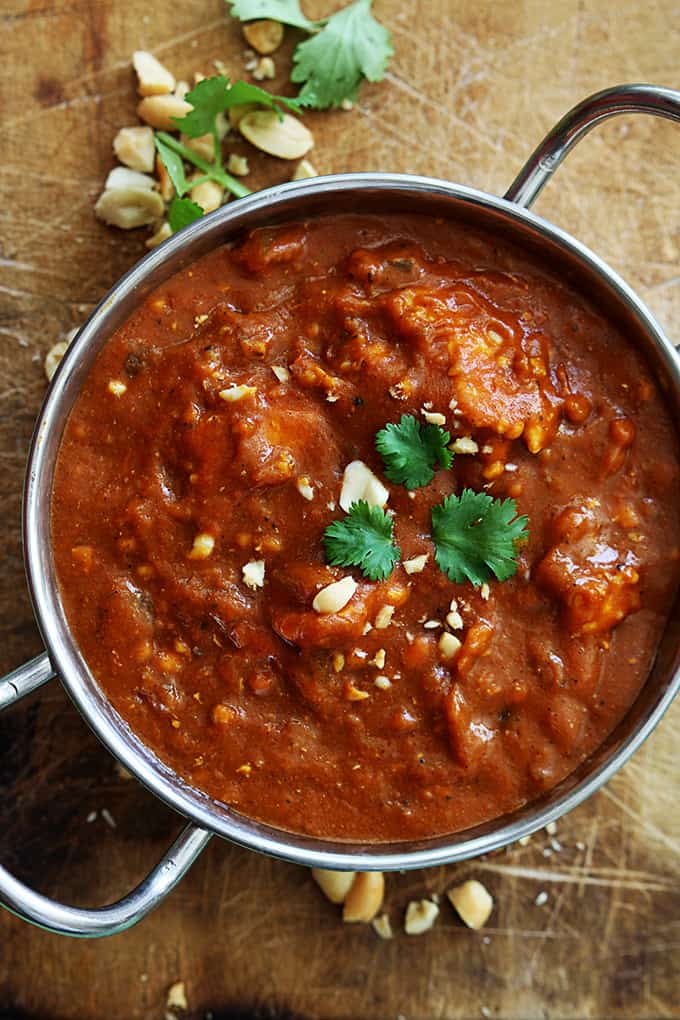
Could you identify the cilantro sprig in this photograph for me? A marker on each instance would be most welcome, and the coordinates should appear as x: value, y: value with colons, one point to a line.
x: 345, y: 49
x: 209, y: 99
x: 364, y: 539
x: 411, y: 450
x: 476, y: 537
x: 286, y: 11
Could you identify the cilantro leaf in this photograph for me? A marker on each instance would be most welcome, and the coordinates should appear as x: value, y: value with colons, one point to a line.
x: 174, y: 165
x: 351, y: 46
x: 363, y: 539
x: 182, y: 212
x: 213, y: 96
x: 411, y: 450
x: 286, y: 11
x: 476, y: 537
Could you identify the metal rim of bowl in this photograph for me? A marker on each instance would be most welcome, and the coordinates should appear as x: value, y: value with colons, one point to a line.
x: 73, y: 672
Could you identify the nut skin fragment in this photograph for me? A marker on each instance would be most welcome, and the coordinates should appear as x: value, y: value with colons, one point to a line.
x: 153, y: 78
x: 365, y: 898
x: 265, y: 36
x: 335, y: 885
x: 286, y: 139
x: 420, y: 916
x: 473, y: 903
x: 135, y: 148
x: 158, y: 111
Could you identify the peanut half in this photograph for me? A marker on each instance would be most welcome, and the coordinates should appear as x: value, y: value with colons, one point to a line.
x: 365, y: 898
x: 157, y: 111
x: 473, y: 903
x: 334, y: 884
x: 287, y: 138
x: 135, y: 148
x: 264, y: 35
x: 153, y: 78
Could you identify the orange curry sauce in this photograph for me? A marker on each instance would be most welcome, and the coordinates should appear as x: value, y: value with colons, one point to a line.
x: 165, y: 489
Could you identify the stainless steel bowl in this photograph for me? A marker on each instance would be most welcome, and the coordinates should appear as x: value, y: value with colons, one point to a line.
x: 375, y: 192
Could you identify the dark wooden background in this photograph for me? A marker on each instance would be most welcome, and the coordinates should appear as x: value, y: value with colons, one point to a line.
x: 471, y: 89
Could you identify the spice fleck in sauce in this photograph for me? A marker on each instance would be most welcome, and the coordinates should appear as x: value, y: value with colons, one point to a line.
x: 204, y: 458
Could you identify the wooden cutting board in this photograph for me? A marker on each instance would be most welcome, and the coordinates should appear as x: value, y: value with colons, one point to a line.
x: 471, y: 89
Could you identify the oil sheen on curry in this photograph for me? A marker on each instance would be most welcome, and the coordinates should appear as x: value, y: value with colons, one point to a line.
x: 233, y: 419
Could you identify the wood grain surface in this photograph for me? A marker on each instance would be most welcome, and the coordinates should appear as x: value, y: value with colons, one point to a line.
x: 471, y: 89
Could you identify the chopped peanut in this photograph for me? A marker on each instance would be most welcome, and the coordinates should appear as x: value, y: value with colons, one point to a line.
x: 287, y: 138
x: 420, y: 916
x: 265, y: 69
x: 382, y: 927
x: 134, y: 146
x: 384, y: 617
x: 359, y: 482
x: 281, y: 373
x: 473, y: 903
x: 163, y: 232
x: 304, y: 170
x: 449, y: 645
x: 253, y: 574
x: 433, y: 417
x: 116, y: 387
x: 465, y: 444
x: 207, y: 194
x: 177, y: 997
x: 158, y: 111
x: 416, y: 565
x: 334, y: 884
x: 334, y: 596
x: 234, y: 393
x: 202, y: 547
x: 128, y: 208
x: 264, y: 35
x: 153, y: 78
x: 365, y: 898
x: 304, y: 488
x: 238, y: 165
x: 454, y: 620
x: 53, y: 358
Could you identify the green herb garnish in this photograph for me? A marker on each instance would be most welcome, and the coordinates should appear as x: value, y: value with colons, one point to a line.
x: 344, y: 49
x: 182, y: 212
x: 411, y: 450
x: 476, y: 537
x: 363, y: 539
x: 210, y: 98
x: 286, y: 11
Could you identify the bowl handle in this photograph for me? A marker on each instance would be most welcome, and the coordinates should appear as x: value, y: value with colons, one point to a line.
x: 97, y: 921
x: 544, y: 160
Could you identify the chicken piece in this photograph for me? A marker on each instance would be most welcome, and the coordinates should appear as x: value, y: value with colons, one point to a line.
x: 597, y: 584
x: 500, y: 369
x: 295, y: 620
